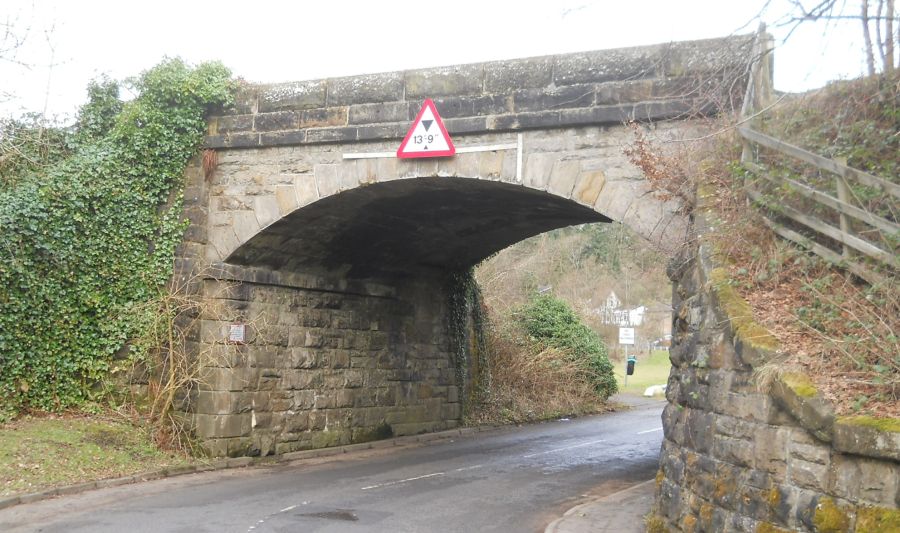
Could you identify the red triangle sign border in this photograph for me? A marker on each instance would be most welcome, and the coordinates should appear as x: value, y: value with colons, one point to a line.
x: 451, y: 150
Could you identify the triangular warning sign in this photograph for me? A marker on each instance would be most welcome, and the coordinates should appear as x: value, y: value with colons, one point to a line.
x: 424, y: 139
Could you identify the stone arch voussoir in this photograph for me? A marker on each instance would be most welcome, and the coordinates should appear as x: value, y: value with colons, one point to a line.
x: 607, y: 185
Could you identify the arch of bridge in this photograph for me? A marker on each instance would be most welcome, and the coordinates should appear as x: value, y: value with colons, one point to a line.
x: 370, y: 217
x: 556, y: 123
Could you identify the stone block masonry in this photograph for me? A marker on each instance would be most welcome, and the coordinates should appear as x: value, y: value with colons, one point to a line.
x: 320, y: 368
x: 739, y: 459
x: 647, y: 83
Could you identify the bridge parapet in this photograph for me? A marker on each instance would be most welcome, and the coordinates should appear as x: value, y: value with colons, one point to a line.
x: 644, y: 83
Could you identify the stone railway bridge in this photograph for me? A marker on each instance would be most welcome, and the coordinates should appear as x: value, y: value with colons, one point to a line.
x: 336, y: 256
x: 338, y: 263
